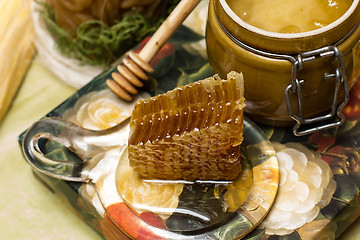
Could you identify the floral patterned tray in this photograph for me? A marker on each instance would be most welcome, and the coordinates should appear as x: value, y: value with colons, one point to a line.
x: 148, y: 210
x: 318, y: 187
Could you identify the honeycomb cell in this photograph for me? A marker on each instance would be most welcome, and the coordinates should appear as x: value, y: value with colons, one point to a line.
x: 191, y: 132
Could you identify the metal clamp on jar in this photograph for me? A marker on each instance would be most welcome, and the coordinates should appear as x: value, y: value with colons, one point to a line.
x: 303, y: 77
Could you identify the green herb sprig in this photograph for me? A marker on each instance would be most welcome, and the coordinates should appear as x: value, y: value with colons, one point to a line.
x: 96, y: 43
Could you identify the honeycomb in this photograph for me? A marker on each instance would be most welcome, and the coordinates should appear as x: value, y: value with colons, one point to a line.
x: 190, y: 133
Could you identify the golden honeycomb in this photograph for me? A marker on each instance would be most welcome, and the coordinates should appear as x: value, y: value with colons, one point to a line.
x: 190, y: 133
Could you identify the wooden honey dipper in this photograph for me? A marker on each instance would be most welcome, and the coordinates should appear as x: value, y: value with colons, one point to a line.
x: 132, y: 70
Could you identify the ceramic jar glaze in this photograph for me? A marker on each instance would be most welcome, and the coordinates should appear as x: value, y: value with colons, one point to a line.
x: 302, y: 76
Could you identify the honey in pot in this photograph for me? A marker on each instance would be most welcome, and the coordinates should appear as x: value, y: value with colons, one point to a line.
x: 298, y: 58
x: 289, y: 16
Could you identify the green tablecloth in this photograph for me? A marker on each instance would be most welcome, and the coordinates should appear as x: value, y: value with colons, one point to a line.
x: 28, y: 209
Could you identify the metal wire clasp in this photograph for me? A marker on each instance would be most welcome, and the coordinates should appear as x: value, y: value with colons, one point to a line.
x: 334, y: 117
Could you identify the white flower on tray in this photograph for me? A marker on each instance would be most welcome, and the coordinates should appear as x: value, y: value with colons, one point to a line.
x: 306, y: 185
x: 100, y: 110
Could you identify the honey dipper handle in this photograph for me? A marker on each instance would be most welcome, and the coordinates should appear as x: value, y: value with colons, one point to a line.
x: 167, y: 29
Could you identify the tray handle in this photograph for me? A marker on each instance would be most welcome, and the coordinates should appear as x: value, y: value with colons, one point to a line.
x: 82, y: 142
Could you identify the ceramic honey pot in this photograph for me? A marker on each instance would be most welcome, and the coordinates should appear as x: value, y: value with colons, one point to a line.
x: 302, y: 77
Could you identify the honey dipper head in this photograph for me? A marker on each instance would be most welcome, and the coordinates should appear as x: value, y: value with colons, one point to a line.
x: 191, y: 132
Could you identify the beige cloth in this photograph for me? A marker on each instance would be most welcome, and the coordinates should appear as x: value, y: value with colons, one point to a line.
x: 28, y: 209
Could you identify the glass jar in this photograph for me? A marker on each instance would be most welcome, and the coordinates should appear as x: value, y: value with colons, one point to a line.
x: 302, y: 78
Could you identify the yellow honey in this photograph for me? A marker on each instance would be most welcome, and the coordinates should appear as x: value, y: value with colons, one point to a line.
x: 289, y: 16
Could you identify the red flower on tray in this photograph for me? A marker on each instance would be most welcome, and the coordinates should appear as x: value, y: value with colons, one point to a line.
x: 137, y: 226
x: 342, y: 160
x: 166, y: 50
x: 352, y: 108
